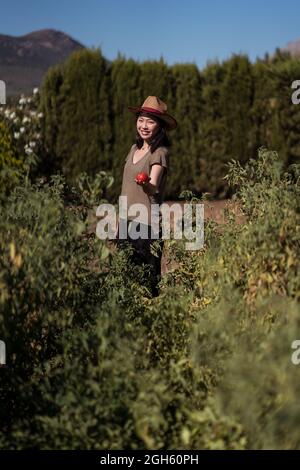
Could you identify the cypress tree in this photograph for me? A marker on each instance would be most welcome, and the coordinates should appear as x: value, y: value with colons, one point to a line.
x: 125, y: 92
x: 237, y: 92
x: 226, y: 111
x: 51, y: 106
x: 186, y: 138
x: 212, y: 142
x: 284, y: 135
x: 81, y: 139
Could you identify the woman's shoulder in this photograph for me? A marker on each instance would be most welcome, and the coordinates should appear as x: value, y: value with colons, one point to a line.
x: 160, y: 156
x: 162, y: 149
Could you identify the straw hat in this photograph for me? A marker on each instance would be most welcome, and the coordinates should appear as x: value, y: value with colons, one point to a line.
x: 156, y: 106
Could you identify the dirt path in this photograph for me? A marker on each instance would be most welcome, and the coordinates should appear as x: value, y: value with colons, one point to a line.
x: 213, y: 210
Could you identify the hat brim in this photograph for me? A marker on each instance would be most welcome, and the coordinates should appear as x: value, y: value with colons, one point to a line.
x: 169, y: 121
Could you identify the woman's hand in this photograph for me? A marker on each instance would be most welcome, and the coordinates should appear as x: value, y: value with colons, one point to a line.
x: 155, y: 176
x: 142, y: 183
x: 147, y: 186
x: 142, y: 177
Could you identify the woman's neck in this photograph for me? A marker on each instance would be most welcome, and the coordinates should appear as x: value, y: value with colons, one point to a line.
x: 145, y: 145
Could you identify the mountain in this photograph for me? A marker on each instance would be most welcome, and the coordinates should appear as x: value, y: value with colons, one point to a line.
x: 24, y: 60
x: 293, y: 47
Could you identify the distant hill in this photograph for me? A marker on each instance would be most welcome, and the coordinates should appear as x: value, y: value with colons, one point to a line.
x: 24, y: 60
x: 293, y: 47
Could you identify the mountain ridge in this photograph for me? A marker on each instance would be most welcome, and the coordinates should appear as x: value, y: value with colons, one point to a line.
x: 293, y: 47
x: 25, y: 59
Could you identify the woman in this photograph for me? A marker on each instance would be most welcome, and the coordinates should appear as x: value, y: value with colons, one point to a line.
x: 150, y: 155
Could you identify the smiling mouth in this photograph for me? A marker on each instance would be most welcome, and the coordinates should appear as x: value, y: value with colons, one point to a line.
x: 145, y: 132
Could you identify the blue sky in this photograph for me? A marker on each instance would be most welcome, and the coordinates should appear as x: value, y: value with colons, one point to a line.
x: 180, y: 30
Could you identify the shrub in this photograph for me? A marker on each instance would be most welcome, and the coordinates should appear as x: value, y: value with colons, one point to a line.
x: 94, y: 362
x: 10, y: 163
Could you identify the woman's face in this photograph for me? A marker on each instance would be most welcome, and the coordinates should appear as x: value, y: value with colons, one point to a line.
x: 146, y: 127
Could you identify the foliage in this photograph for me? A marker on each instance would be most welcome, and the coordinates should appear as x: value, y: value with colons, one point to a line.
x: 93, y: 361
x: 10, y: 163
x: 24, y: 122
x: 225, y: 111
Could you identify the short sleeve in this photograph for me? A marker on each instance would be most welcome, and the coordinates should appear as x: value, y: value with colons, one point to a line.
x: 160, y: 156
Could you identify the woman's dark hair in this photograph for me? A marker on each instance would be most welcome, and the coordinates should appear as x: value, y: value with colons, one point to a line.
x: 160, y: 138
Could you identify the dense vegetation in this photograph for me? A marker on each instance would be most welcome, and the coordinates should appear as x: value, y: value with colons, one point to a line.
x: 93, y: 360
x: 227, y: 110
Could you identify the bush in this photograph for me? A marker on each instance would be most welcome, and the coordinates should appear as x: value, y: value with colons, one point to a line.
x: 11, y: 165
x: 94, y: 362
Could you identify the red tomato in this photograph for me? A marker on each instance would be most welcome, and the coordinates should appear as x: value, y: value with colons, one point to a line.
x: 142, y: 177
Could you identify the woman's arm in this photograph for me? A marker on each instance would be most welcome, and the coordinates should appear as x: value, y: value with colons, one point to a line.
x: 155, y: 176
